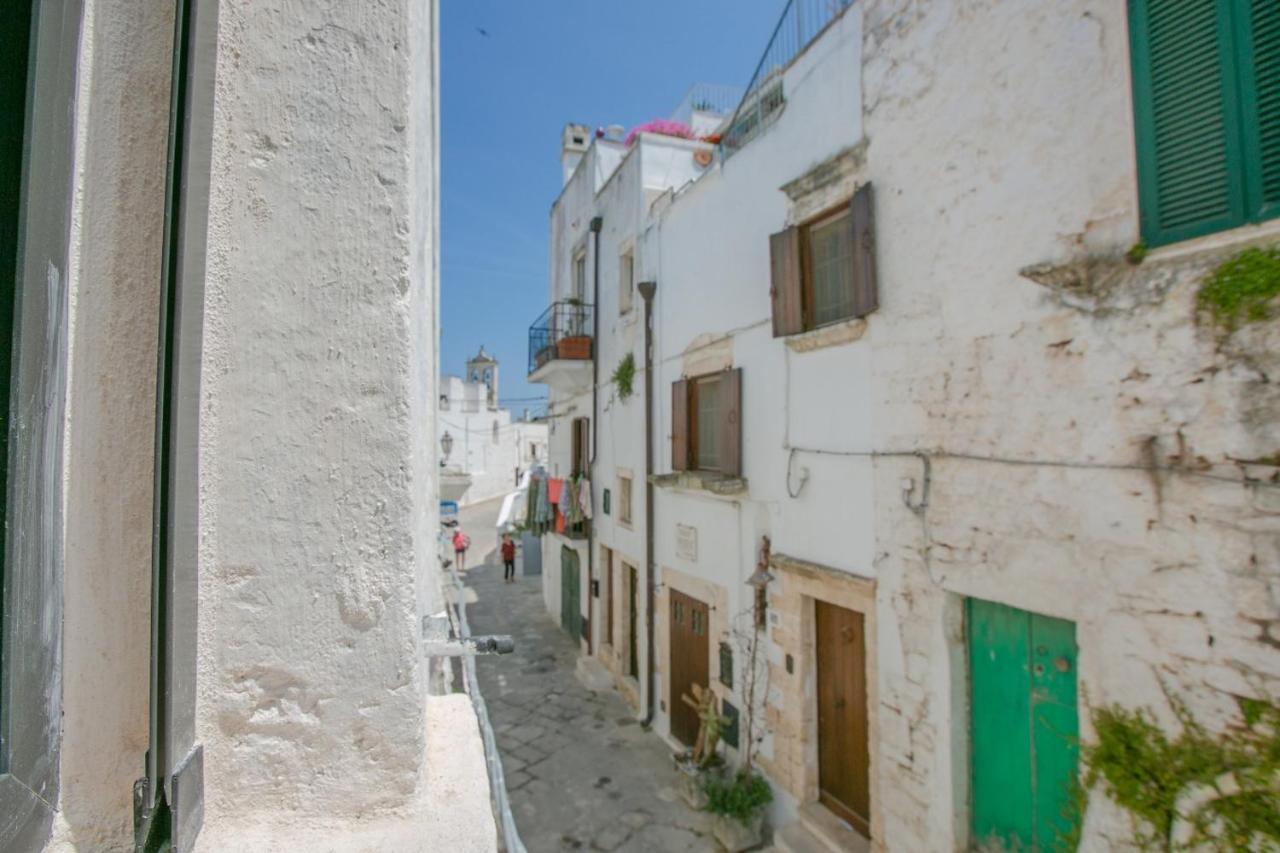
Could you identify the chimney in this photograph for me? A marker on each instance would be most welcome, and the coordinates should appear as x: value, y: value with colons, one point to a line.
x: 573, y: 144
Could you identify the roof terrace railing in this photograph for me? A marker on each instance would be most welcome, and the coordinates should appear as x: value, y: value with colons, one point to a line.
x: 801, y: 22
x: 713, y: 98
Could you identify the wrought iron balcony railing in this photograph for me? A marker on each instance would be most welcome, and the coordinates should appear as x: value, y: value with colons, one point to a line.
x: 564, y: 331
x: 802, y: 21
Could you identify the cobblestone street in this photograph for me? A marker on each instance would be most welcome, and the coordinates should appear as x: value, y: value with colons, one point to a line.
x: 581, y: 772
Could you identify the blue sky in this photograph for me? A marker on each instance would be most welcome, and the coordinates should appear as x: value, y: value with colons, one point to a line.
x: 505, y: 97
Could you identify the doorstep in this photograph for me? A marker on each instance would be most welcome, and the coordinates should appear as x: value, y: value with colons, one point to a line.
x: 593, y: 674
x: 817, y: 830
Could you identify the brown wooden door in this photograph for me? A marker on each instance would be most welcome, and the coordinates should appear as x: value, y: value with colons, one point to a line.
x: 690, y: 663
x: 843, y: 777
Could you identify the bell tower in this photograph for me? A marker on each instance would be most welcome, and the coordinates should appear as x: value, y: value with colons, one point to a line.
x: 483, y: 369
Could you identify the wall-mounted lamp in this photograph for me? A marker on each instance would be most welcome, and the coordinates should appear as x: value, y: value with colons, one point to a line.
x: 760, y: 580
x: 446, y: 443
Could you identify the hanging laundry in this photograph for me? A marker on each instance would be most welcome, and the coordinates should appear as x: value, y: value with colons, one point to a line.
x: 555, y: 488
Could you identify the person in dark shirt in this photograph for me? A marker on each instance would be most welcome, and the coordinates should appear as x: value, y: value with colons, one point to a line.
x: 508, y: 558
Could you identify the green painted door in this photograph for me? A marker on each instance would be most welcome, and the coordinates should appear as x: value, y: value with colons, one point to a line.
x: 1024, y: 728
x: 570, y: 603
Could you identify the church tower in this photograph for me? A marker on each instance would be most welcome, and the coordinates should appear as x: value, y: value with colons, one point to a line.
x: 482, y: 368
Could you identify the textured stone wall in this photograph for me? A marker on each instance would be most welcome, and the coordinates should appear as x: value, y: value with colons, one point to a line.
x: 1087, y: 436
x: 319, y: 552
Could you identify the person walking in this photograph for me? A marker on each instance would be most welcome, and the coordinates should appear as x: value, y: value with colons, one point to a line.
x: 508, y: 558
x: 461, y: 542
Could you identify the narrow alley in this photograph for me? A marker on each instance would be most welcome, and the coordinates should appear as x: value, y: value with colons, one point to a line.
x: 581, y: 772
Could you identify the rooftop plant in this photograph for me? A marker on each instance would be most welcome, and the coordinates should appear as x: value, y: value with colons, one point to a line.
x: 663, y: 127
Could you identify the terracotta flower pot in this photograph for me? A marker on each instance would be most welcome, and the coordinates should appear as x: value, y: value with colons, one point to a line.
x: 577, y: 347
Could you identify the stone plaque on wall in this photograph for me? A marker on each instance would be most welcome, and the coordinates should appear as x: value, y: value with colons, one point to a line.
x: 687, y: 541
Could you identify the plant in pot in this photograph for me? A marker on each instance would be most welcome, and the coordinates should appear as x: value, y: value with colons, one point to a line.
x: 738, y: 803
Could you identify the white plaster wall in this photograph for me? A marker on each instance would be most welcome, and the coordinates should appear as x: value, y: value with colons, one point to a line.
x: 122, y: 127
x: 1000, y: 136
x: 491, y: 463
x: 708, y: 249
x: 318, y: 439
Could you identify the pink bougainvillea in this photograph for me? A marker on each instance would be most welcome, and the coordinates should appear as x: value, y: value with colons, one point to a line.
x: 663, y: 126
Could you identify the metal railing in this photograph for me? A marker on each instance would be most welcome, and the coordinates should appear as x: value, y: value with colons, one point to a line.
x: 708, y: 98
x: 564, y: 331
x: 801, y: 22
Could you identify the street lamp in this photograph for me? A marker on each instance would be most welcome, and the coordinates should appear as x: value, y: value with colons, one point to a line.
x: 446, y: 444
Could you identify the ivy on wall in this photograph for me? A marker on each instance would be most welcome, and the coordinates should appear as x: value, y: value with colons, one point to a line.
x: 1196, y: 790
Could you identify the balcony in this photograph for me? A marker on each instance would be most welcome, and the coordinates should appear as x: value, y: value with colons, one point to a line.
x: 561, y: 344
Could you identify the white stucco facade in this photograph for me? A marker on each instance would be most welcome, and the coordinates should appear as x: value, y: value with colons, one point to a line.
x: 488, y: 449
x: 1025, y: 419
x: 314, y: 508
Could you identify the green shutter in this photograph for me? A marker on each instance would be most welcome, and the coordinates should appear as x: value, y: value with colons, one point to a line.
x: 1185, y: 100
x: 1258, y: 26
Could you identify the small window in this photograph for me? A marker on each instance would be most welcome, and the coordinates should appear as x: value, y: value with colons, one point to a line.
x: 626, y: 281
x: 824, y: 270
x: 496, y: 432
x: 444, y: 402
x: 579, y: 282
x: 706, y: 432
x: 706, y: 414
x: 624, y: 499
x: 829, y: 286
x: 581, y: 446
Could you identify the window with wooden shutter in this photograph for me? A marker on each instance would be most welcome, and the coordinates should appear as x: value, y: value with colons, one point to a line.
x: 581, y: 446
x: 706, y: 423
x: 1206, y: 79
x: 680, y: 425
x: 824, y: 270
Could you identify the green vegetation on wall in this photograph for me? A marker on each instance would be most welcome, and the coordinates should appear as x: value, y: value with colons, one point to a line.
x: 624, y: 376
x: 1195, y: 790
x: 1242, y: 289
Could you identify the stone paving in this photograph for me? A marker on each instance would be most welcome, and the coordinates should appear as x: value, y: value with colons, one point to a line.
x: 581, y: 773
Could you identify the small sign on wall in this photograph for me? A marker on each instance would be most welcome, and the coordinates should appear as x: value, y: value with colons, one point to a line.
x: 687, y: 542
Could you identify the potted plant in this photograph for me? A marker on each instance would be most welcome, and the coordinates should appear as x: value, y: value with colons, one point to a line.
x: 696, y: 765
x: 738, y: 804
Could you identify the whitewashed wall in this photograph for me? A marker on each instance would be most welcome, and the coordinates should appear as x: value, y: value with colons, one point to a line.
x: 489, y: 457
x: 1000, y: 137
x: 708, y: 249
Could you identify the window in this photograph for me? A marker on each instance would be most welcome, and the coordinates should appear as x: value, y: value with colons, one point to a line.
x: 706, y: 415
x: 706, y: 432
x: 444, y: 402
x: 824, y: 270
x: 1206, y: 90
x: 626, y: 281
x: 624, y: 499
x: 579, y: 281
x: 497, y: 431
x: 581, y: 446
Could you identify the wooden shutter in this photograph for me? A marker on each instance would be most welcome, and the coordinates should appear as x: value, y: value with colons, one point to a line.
x: 680, y: 425
x: 731, y: 423
x: 1259, y: 42
x: 581, y: 445
x: 784, y: 259
x: 1190, y: 158
x: 866, y: 296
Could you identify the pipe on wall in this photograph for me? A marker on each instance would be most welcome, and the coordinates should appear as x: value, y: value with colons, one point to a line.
x: 597, y: 223
x: 647, y: 290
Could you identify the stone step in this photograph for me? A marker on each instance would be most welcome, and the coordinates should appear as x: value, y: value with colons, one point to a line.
x: 796, y: 838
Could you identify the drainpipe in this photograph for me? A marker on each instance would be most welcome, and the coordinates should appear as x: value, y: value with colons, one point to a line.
x: 596, y: 224
x: 647, y: 290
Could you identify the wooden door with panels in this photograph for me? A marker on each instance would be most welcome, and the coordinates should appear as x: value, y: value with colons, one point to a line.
x: 844, y: 775
x: 690, y: 663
